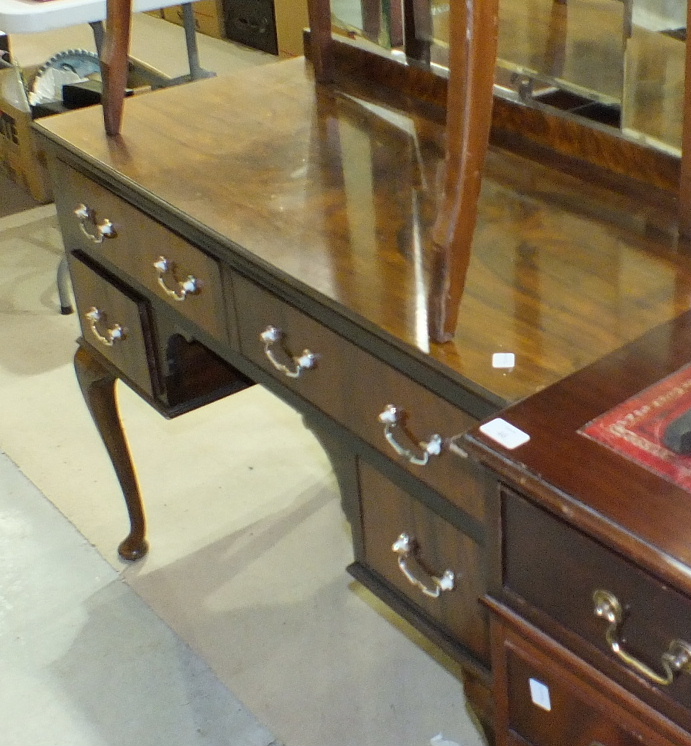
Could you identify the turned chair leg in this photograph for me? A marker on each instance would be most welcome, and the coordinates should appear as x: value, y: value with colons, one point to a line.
x: 473, y: 51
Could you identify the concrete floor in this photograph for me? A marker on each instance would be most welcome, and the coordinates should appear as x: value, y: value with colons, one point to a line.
x: 241, y: 625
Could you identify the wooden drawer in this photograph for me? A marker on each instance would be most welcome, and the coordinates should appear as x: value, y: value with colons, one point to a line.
x: 372, y: 385
x: 163, y: 262
x: 323, y: 384
x: 547, y: 697
x: 115, y: 323
x: 557, y: 570
x: 571, y: 719
x: 435, y: 546
x: 424, y: 415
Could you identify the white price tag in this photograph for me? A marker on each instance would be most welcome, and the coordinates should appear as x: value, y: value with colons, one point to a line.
x: 503, y: 360
x: 539, y: 693
x: 504, y: 433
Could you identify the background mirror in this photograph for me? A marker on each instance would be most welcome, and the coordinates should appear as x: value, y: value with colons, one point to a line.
x: 380, y: 21
x: 616, y: 63
x: 653, y: 103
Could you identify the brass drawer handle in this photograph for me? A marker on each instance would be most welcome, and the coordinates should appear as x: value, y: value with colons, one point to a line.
x: 404, y: 546
x: 102, y: 230
x: 189, y: 286
x: 675, y: 660
x: 308, y: 360
x: 393, y: 416
x: 116, y: 333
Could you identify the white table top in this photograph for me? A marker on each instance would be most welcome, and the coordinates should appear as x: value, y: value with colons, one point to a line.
x: 32, y: 16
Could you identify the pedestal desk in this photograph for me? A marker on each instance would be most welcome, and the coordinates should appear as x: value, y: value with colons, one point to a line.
x: 264, y: 229
x: 590, y: 555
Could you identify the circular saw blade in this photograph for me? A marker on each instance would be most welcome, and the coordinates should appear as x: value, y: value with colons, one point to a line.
x: 70, y: 66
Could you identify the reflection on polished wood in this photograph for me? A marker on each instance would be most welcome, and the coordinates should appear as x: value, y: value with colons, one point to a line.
x: 591, y: 48
x: 562, y: 271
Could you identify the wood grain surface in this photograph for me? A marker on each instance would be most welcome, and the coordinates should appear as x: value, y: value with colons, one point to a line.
x: 335, y: 193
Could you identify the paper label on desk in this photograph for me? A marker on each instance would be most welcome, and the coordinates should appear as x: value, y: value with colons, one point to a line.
x: 539, y: 693
x: 504, y: 433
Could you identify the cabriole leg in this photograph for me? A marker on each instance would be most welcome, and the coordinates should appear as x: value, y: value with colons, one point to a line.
x: 98, y: 388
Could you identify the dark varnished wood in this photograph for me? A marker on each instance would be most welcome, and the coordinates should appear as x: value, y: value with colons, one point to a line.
x: 98, y: 388
x: 685, y: 176
x: 326, y: 198
x: 603, y: 521
x: 656, y: 614
x: 586, y: 708
x: 321, y: 41
x: 138, y: 243
x: 131, y: 354
x: 386, y: 513
x: 552, y: 256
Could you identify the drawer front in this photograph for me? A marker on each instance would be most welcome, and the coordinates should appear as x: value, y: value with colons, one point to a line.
x: 163, y: 262
x: 558, y: 570
x: 545, y: 710
x: 115, y: 323
x: 321, y: 381
x: 424, y: 415
x: 434, y: 547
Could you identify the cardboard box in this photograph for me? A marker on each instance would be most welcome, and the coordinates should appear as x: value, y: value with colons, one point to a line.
x: 208, y: 17
x: 291, y: 19
x: 20, y: 157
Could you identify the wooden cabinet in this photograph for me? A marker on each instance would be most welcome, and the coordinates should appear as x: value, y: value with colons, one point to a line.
x: 548, y: 697
x: 589, y: 582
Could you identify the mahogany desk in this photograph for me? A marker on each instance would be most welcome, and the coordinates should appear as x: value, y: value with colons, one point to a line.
x: 263, y: 229
x: 590, y: 556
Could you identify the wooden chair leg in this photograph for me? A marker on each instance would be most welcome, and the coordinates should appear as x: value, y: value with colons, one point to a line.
x: 685, y: 174
x: 321, y: 41
x: 473, y: 52
x: 114, y: 62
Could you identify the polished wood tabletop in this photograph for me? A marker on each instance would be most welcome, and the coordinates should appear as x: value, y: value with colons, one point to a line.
x: 593, y: 485
x: 334, y: 190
